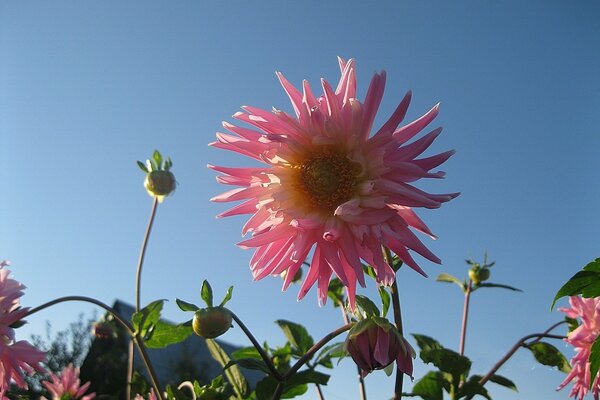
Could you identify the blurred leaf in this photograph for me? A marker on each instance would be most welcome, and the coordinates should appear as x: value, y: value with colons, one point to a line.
x: 157, y: 158
x: 266, y: 387
x: 142, y: 166
x: 206, y: 293
x: 296, y: 334
x: 471, y: 388
x: 367, y: 306
x: 430, y: 387
x: 233, y: 373
x: 498, y: 285
x: 367, y: 269
x: 585, y: 283
x: 185, y: 306
x: 451, y: 279
x: 165, y: 334
x: 547, y: 354
x: 175, y: 394
x: 336, y: 292
x: 335, y: 350
x: 249, y: 363
x: 572, y: 323
x: 447, y: 360
x: 227, y: 296
x: 499, y: 380
x: 594, y: 359
x: 308, y: 376
x: 145, y: 319
x: 426, y: 343
x: 385, y: 300
x: 246, y: 352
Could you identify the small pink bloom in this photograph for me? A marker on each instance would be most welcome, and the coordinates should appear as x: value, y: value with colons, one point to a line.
x: 19, y: 357
x: 582, y: 338
x: 374, y: 344
x: 67, y: 383
x: 329, y: 186
x: 151, y: 396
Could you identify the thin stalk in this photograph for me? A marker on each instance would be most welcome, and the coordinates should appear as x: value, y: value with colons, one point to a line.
x: 319, y: 392
x: 465, y: 317
x: 122, y: 321
x: 361, y: 381
x: 138, y: 291
x: 398, y: 320
x: 258, y: 348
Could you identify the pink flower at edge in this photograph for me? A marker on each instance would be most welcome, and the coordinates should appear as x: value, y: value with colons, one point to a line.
x: 330, y: 186
x: 151, y: 396
x: 16, y: 357
x: 67, y: 383
x: 582, y: 338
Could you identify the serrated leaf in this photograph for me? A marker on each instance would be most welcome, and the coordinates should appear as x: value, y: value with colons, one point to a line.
x: 451, y: 279
x: 233, y: 373
x: 385, y: 300
x: 206, y: 293
x: 430, y: 387
x: 165, y: 334
x: 369, y: 309
x: 185, y: 306
x: 144, y: 320
x: 142, y: 166
x: 447, y: 360
x: 227, y: 296
x: 296, y: 334
x: 594, y: 359
x: 471, y: 388
x: 249, y: 363
x: 498, y: 285
x: 547, y: 354
x: 426, y: 342
x: 585, y: 283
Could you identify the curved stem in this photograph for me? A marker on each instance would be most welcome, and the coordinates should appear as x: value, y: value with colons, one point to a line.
x: 463, y: 328
x: 138, y: 278
x: 319, y: 391
x: 258, y: 347
x: 398, y: 320
x: 122, y: 321
x: 361, y: 380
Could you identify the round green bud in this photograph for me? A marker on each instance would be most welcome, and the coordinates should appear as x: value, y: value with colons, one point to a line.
x: 160, y: 183
x: 211, y: 322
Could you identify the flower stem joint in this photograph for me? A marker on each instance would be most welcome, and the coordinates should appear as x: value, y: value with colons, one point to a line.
x: 212, y: 322
x: 374, y: 343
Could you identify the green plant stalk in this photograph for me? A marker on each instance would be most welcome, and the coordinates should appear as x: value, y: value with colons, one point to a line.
x: 122, y: 321
x: 361, y: 380
x: 398, y: 321
x: 465, y: 317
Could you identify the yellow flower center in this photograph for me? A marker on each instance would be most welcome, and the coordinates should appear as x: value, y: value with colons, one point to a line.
x: 326, y: 179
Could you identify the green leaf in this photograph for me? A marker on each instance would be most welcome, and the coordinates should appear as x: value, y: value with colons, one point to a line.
x: 452, y: 279
x: 143, y: 167
x: 335, y: 350
x: 585, y: 283
x: 594, y: 359
x: 367, y: 269
x: 246, y: 352
x: 498, y: 285
x: 336, y: 292
x: 145, y: 319
x: 447, y: 360
x: 430, y: 387
x: 175, y: 394
x: 572, y: 323
x: 296, y: 334
x: 426, y: 343
x: 185, y: 306
x: 308, y: 376
x: 266, y: 387
x: 471, y: 388
x: 206, y: 293
x: 227, y: 296
x: 157, y: 158
x: 385, y: 300
x: 369, y: 309
x: 547, y: 354
x: 249, y: 363
x: 165, y: 334
x: 502, y: 381
x: 233, y: 373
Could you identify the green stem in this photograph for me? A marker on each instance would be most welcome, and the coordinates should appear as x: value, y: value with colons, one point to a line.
x: 465, y: 317
x: 122, y: 321
x: 361, y: 380
x: 398, y: 320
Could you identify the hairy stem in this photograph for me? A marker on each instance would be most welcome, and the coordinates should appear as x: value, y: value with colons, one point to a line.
x: 398, y: 321
x: 465, y: 317
x: 122, y: 321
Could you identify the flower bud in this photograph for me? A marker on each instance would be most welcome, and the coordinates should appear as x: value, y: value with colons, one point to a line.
x: 211, y: 322
x: 374, y: 343
x: 478, y: 274
x: 160, y: 183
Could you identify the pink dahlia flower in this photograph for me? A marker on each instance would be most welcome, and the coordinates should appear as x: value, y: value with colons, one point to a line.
x: 582, y: 338
x: 15, y: 357
x: 374, y: 344
x: 330, y: 186
x: 68, y: 385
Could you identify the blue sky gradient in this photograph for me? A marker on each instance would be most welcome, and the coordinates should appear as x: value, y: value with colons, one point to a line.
x: 88, y: 88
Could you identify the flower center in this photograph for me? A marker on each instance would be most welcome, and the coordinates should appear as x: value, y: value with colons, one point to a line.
x: 327, y: 179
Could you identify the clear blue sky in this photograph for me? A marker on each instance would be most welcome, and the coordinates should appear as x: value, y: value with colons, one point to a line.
x: 88, y: 88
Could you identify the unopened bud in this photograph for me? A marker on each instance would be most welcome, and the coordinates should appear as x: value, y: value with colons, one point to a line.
x: 211, y: 322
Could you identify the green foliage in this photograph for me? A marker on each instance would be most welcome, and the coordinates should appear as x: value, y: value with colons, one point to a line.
x: 165, y: 334
x: 297, y: 335
x: 206, y: 293
x: 471, y: 388
x: 431, y: 386
x: 547, y: 354
x: 366, y: 307
x: 426, y: 342
x: 447, y: 360
x: 385, y: 300
x: 496, y: 285
x: 594, y: 359
x: 585, y: 283
x: 185, y: 306
x: 452, y: 279
x: 145, y: 320
x: 232, y: 373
